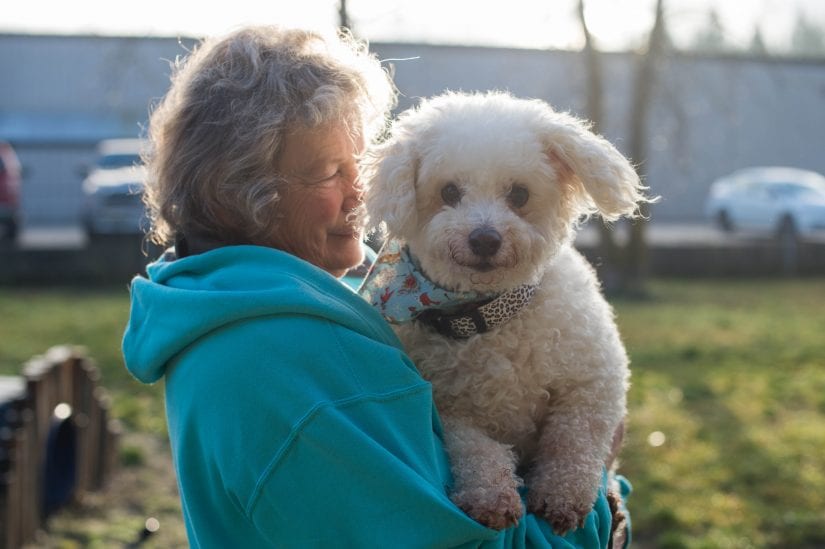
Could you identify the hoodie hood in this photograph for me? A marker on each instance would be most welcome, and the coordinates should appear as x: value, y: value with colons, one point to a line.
x: 185, y: 299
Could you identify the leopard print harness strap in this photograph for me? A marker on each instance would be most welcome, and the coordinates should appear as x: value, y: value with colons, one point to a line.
x: 477, y: 318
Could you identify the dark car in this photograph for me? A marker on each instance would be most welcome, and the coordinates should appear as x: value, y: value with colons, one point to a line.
x: 10, y: 174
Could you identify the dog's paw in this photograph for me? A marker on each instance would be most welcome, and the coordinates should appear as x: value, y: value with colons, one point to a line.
x: 562, y: 516
x: 564, y: 520
x: 494, y: 509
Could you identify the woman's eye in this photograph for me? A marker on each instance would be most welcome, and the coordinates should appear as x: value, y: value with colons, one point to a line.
x: 518, y: 196
x: 327, y: 178
x: 450, y: 194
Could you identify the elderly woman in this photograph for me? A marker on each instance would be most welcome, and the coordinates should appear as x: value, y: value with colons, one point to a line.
x: 295, y: 418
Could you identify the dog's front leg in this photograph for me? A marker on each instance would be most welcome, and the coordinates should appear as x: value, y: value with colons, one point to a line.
x: 574, y: 443
x: 484, y: 475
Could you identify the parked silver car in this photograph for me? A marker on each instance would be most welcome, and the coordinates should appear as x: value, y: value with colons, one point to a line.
x: 769, y: 201
x: 113, y: 190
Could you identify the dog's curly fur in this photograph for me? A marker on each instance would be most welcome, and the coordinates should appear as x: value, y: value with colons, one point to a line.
x: 539, y: 397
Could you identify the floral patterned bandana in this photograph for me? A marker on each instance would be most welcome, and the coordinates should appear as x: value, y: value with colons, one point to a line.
x: 396, y: 286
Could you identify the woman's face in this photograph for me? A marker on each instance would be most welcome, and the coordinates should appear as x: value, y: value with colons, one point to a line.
x: 321, y: 191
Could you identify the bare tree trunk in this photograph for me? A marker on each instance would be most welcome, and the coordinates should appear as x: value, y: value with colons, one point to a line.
x: 624, y: 268
x: 636, y: 257
x: 610, y: 270
x: 595, y: 82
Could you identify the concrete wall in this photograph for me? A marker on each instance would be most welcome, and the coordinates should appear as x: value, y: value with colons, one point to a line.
x: 60, y: 94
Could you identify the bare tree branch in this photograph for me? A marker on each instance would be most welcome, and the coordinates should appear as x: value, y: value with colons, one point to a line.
x: 343, y: 15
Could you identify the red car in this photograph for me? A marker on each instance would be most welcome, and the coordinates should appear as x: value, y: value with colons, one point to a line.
x: 9, y: 191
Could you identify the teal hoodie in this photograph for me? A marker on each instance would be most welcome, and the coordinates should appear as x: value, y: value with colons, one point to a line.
x: 295, y: 418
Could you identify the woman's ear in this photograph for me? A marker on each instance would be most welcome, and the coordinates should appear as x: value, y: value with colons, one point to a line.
x: 605, y: 175
x: 389, y: 174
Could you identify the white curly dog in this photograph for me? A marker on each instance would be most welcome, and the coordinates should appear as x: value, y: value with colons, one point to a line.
x: 483, y: 192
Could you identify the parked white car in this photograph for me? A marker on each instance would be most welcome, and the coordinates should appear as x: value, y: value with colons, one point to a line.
x: 113, y: 190
x: 770, y: 201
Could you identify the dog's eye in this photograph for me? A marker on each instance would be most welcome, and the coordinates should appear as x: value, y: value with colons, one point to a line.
x: 518, y: 196
x: 451, y: 194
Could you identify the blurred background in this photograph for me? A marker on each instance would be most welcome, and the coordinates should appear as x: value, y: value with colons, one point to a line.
x: 690, y: 90
x: 720, y: 291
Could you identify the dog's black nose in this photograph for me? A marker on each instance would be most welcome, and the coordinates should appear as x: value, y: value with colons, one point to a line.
x: 485, y: 242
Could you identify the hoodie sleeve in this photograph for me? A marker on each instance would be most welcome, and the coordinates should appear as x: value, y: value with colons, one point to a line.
x: 369, y: 472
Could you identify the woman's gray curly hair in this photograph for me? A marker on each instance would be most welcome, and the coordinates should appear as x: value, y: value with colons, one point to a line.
x: 215, y: 138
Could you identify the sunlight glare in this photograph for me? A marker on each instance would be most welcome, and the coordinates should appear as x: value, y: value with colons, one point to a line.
x: 619, y: 25
x: 656, y: 439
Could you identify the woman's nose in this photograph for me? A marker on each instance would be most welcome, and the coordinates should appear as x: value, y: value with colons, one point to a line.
x: 352, y: 202
x: 353, y: 192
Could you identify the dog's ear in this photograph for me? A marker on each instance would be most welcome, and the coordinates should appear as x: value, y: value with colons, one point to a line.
x: 389, y: 173
x: 590, y: 162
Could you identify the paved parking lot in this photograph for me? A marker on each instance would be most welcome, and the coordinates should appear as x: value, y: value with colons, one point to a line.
x: 52, y: 238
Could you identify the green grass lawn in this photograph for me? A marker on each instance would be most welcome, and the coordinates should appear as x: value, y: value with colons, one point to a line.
x: 726, y: 436
x: 732, y: 374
